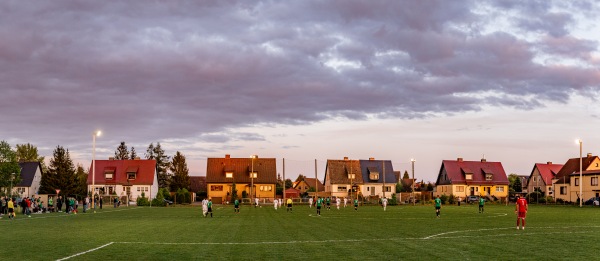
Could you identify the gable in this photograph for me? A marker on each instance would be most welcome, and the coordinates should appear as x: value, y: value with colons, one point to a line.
x: 123, y: 172
x: 28, y: 172
x: 594, y: 165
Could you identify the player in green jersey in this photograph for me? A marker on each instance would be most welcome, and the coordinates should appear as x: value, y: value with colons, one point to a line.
x: 438, y: 205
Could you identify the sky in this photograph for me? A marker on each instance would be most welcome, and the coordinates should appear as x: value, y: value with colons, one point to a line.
x: 510, y: 81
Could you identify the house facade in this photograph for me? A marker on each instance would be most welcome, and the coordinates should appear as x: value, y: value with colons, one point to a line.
x: 567, y: 180
x: 472, y: 178
x: 378, y: 178
x: 128, y: 178
x: 305, y: 185
x: 31, y: 178
x: 343, y: 178
x: 260, y: 174
x: 541, y: 177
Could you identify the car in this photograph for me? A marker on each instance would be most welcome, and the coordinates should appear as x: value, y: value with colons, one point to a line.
x: 168, y: 202
x: 592, y: 201
x: 471, y: 199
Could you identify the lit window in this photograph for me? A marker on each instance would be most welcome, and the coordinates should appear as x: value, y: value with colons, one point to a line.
x: 468, y: 176
x: 576, y: 181
x: 460, y: 188
x: 108, y: 175
x: 594, y: 181
x: 488, y: 176
x: 229, y: 175
x: 253, y: 174
x: 216, y: 187
x: 351, y: 176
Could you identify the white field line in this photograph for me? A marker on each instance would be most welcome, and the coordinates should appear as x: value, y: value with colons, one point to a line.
x: 495, y: 215
x: 441, y: 235
x: 85, y: 252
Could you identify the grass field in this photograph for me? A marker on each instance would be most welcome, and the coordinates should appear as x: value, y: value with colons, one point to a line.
x: 402, y: 232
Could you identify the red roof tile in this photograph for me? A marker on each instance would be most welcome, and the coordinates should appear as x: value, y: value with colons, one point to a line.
x: 547, y: 171
x: 145, y: 172
x: 456, y: 170
x: 265, y: 168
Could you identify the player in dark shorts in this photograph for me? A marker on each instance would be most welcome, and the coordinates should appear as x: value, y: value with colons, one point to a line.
x: 236, y: 206
x: 328, y: 202
x: 210, y: 207
x: 319, y: 203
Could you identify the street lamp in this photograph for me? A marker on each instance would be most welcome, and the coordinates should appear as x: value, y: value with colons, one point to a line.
x: 94, y: 135
x: 580, y: 171
x: 413, y: 181
x: 252, y: 178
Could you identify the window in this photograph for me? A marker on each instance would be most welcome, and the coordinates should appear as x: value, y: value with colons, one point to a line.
x: 488, y: 176
x: 131, y: 175
x: 460, y: 189
x: 253, y: 174
x: 342, y: 189
x: 500, y: 189
x: 351, y: 176
x: 138, y: 189
x: 534, y: 179
x: 146, y: 189
x: 216, y: 187
x: 468, y: 176
x: 374, y: 176
x: 367, y: 188
x: 108, y: 175
x: 576, y: 181
x: 266, y: 188
x: 387, y: 189
x: 594, y: 181
x: 563, y: 190
x: 229, y: 175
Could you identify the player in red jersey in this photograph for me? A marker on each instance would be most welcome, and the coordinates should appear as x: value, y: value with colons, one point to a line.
x: 521, y: 211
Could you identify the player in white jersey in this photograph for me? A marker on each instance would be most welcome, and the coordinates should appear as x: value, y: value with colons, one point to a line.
x: 310, y: 201
x: 275, y: 203
x: 337, y: 202
x: 204, y: 207
x: 384, y: 203
x: 345, y: 201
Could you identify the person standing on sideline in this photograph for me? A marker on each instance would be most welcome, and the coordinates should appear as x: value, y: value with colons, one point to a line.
x: 275, y: 203
x: 100, y: 200
x: 319, y: 203
x: 356, y: 204
x: 481, y: 203
x: 289, y: 204
x: 438, y: 206
x: 345, y: 201
x: 50, y: 204
x: 310, y: 202
x: 337, y: 202
x: 236, y: 206
x: 11, y: 209
x: 521, y: 211
x: 384, y: 203
x: 209, y: 206
x: 86, y: 201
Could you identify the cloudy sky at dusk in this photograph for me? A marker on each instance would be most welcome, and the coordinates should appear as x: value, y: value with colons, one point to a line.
x: 516, y: 81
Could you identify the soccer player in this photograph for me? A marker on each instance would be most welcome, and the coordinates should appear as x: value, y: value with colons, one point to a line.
x: 481, y: 203
x: 521, y: 210
x: 11, y: 209
x: 356, y: 204
x: 328, y: 202
x: 204, y: 207
x: 289, y: 204
x: 310, y: 202
x: 255, y: 202
x: 337, y: 202
x: 236, y: 206
x: 345, y: 201
x: 319, y: 203
x: 384, y: 203
x: 438, y: 206
x: 275, y: 203
x: 209, y: 205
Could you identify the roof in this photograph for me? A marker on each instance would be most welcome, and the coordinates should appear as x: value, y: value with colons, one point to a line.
x: 198, y: 183
x: 338, y: 171
x: 145, y: 172
x: 572, y: 166
x: 265, y: 168
x: 376, y: 166
x: 456, y: 171
x: 28, y: 170
x: 547, y: 171
x: 311, y: 183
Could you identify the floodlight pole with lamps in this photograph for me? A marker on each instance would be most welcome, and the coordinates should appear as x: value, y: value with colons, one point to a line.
x: 413, y: 182
x: 580, y: 171
x: 252, y: 180
x: 94, y: 135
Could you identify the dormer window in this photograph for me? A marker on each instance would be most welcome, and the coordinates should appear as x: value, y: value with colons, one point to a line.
x: 469, y: 176
x: 131, y: 172
x: 109, y: 174
x: 131, y: 175
x: 351, y: 176
x: 253, y: 174
x: 373, y: 173
x: 488, y: 176
x: 229, y: 175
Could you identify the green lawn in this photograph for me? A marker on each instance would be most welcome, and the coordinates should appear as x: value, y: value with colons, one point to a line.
x: 402, y: 232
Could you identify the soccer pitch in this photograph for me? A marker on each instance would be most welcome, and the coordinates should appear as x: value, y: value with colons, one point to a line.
x: 401, y: 232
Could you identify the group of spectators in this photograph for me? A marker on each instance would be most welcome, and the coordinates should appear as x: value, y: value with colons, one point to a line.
x: 33, y: 205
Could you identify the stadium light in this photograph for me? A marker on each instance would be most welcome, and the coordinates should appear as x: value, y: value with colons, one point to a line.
x: 94, y: 135
x: 413, y: 181
x: 252, y: 179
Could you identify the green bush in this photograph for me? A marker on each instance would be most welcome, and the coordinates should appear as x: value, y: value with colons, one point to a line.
x: 393, y: 201
x: 159, y: 201
x: 183, y: 196
x: 142, y: 200
x: 444, y: 198
x: 451, y: 199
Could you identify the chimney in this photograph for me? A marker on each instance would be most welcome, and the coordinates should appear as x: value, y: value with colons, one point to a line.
x: 345, y: 158
x: 483, y: 160
x: 589, y: 155
x: 459, y: 159
x: 111, y: 158
x: 371, y: 159
x: 227, y: 156
x: 549, y: 162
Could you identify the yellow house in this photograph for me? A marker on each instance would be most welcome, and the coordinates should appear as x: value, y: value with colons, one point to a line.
x: 255, y: 176
x: 567, y: 182
x: 472, y: 178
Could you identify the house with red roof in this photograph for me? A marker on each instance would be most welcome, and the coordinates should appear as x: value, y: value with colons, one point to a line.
x: 258, y: 173
x: 305, y: 185
x: 567, y: 180
x: 472, y: 178
x: 541, y: 177
x: 128, y: 178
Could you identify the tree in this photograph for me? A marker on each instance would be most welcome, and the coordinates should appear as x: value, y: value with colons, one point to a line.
x: 405, y: 176
x: 300, y: 178
x: 81, y: 180
x: 133, y: 154
x: 29, y: 153
x: 162, y: 163
x: 61, y: 174
x: 288, y: 183
x: 122, y: 153
x: 279, y: 186
x: 517, y: 186
x: 234, y: 192
x: 512, y: 179
x: 180, y: 178
x: 8, y: 166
